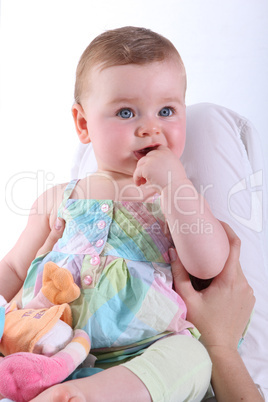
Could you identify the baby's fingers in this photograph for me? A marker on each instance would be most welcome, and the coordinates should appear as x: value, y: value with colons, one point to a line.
x: 138, y: 175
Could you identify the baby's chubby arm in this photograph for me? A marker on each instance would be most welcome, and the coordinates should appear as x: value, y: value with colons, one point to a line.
x: 14, y: 266
x: 200, y: 239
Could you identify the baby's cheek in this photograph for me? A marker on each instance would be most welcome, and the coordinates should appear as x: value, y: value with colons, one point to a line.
x: 177, y: 146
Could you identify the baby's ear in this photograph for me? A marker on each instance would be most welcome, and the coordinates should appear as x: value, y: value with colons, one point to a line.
x: 80, y: 122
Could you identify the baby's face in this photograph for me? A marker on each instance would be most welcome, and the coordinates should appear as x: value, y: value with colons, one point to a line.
x: 133, y: 107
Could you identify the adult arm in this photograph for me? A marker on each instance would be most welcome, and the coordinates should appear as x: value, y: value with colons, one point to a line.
x: 221, y: 313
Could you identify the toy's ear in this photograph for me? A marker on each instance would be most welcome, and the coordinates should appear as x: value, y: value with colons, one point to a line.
x: 80, y: 122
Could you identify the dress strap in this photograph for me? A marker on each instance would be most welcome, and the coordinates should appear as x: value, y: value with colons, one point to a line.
x: 66, y: 195
x: 69, y: 189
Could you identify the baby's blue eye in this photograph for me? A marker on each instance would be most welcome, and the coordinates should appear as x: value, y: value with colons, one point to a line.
x: 166, y: 112
x: 125, y: 113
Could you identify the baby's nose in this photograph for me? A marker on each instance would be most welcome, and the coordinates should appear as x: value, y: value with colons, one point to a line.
x: 148, y: 130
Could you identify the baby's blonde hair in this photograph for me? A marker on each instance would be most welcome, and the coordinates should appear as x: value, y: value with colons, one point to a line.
x: 121, y: 46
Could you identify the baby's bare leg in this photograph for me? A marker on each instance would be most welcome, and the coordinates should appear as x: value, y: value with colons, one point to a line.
x: 117, y: 384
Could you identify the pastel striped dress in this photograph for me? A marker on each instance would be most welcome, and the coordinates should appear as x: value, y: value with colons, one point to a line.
x: 117, y: 253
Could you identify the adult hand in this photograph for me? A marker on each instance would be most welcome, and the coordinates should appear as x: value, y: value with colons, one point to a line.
x: 221, y: 313
x: 222, y: 310
x: 53, y: 237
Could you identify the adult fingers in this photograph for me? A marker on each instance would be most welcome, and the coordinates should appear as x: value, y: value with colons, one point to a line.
x: 232, y: 272
x: 232, y: 265
x: 53, y: 237
x: 234, y: 240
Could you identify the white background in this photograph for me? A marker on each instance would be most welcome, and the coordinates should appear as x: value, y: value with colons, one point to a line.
x: 224, y: 45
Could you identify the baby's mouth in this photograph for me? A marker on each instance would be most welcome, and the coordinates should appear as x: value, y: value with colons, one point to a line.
x: 144, y: 151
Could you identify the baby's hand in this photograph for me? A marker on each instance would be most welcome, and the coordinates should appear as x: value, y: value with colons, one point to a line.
x: 159, y: 167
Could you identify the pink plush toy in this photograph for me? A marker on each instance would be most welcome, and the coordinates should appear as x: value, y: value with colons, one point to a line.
x: 38, y: 342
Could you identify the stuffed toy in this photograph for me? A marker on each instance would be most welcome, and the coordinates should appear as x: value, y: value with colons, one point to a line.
x: 38, y: 342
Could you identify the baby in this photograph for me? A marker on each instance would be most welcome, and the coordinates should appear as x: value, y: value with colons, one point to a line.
x: 121, y: 223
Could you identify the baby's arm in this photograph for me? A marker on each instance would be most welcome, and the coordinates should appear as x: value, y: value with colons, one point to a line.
x: 199, y: 238
x: 14, y: 266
